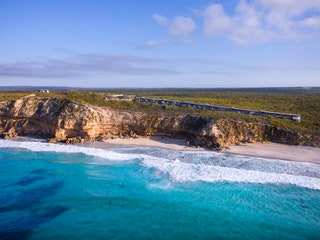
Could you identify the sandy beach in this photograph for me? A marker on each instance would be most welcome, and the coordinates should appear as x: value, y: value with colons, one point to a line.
x: 265, y: 150
x: 277, y: 151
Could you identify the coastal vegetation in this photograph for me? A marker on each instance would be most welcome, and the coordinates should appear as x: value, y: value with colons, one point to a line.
x: 305, y: 102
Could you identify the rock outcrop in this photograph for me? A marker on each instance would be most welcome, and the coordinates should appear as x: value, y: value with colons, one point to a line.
x: 65, y: 121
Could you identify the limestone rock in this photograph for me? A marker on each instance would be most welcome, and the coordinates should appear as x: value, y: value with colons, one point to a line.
x: 11, y: 133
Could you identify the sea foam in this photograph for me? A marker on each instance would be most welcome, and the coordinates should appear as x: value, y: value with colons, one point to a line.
x: 181, y: 172
x: 195, y: 166
x: 63, y: 148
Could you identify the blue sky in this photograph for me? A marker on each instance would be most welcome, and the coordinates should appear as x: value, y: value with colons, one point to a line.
x: 160, y: 43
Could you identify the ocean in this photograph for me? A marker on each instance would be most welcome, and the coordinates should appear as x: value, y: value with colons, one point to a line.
x: 56, y: 191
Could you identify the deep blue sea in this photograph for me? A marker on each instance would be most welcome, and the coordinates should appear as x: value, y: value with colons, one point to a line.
x: 53, y: 191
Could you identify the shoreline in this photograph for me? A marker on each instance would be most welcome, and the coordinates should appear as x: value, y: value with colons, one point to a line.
x: 153, y: 141
x: 267, y: 150
x: 277, y: 151
x: 264, y: 150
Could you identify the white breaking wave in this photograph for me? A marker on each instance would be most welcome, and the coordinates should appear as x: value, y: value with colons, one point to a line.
x: 62, y: 148
x: 179, y: 171
x: 216, y: 170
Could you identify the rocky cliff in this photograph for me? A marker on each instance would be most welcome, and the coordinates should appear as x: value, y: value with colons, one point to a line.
x: 65, y: 121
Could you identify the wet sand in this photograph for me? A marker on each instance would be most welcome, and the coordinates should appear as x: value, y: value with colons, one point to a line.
x: 264, y: 150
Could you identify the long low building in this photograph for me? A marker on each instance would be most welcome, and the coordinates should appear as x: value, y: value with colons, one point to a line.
x: 293, y: 117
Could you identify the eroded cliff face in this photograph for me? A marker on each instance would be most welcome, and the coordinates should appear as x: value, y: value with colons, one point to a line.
x: 61, y: 119
x: 65, y: 121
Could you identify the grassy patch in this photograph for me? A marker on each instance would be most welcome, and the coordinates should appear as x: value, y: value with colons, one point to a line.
x: 8, y: 96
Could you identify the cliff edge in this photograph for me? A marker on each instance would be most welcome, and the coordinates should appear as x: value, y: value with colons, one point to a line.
x: 60, y: 120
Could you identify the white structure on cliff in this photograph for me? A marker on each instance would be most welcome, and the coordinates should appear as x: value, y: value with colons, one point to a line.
x: 43, y: 91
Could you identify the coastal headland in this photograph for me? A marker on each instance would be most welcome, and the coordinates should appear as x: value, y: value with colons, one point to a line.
x: 60, y: 118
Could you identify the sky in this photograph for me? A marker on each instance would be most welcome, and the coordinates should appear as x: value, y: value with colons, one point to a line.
x: 160, y: 43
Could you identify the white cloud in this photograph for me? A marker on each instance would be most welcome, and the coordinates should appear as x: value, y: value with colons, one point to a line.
x: 216, y: 21
x: 179, y: 26
x: 248, y: 26
x: 244, y: 27
x: 290, y: 7
x: 160, y: 19
x: 264, y: 20
x: 312, y: 22
x: 182, y: 26
x: 81, y: 64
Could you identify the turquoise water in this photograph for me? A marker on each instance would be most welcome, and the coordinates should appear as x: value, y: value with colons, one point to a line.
x: 53, y: 191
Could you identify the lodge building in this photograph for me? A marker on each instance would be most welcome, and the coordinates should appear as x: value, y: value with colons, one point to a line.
x: 293, y: 117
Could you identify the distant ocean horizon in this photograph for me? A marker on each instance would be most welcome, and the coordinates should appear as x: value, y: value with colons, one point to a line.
x: 57, y: 191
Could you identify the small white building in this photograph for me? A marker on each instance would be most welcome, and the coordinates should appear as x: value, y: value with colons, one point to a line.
x: 43, y: 90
